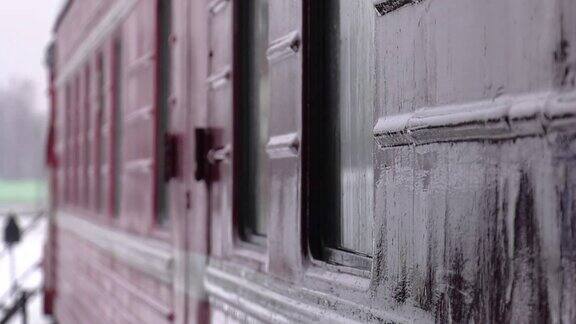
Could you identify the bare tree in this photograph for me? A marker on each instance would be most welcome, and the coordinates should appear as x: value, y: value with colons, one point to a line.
x: 22, y: 132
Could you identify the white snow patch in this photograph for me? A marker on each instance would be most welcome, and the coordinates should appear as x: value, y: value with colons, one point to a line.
x: 26, y: 254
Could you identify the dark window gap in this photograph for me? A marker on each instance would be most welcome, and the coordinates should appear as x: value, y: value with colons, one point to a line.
x: 163, y: 106
x: 250, y: 119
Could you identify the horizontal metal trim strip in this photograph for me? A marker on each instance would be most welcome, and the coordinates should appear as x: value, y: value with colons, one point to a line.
x: 151, y: 257
x: 271, y: 300
x: 560, y: 113
x: 144, y: 113
x: 255, y: 310
x: 284, y: 47
x: 139, y: 165
x: 135, y: 291
x: 283, y: 146
x: 228, y: 288
x: 95, y: 291
x: 503, y: 118
x: 220, y: 78
x: 146, y: 60
x: 216, y: 6
x: 99, y: 33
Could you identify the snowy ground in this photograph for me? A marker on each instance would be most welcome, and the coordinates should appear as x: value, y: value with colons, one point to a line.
x: 26, y: 254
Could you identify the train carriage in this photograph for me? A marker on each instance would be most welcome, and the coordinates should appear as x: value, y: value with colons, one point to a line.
x: 312, y: 161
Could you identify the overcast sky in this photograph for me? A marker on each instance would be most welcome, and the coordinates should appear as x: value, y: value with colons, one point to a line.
x: 25, y: 30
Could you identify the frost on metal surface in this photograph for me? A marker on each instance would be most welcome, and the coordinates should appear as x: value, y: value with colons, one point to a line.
x: 488, y: 229
x: 469, y: 192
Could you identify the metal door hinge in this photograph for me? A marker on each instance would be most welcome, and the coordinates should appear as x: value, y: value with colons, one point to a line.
x: 219, y: 155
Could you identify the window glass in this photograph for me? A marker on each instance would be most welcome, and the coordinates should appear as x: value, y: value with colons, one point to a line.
x: 251, y: 119
x: 339, y: 161
x: 350, y: 93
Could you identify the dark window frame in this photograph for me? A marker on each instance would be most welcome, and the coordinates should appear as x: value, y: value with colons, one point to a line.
x: 163, y: 85
x: 99, y: 138
x: 117, y: 73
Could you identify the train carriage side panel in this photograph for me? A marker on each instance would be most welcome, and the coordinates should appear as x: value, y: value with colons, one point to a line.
x: 467, y: 114
x: 112, y: 263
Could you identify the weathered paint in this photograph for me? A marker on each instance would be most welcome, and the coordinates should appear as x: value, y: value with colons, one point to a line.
x: 474, y: 145
x: 471, y: 201
x: 101, y: 269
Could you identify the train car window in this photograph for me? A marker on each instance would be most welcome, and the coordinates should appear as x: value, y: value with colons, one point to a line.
x: 341, y: 139
x: 117, y: 121
x: 251, y: 118
x: 100, y: 151
x: 163, y: 87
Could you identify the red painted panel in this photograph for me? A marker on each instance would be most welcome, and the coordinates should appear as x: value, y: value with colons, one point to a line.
x: 75, y: 138
x: 94, y: 287
x: 86, y: 136
x: 138, y: 125
x: 110, y: 291
x: 68, y: 143
x: 100, y: 151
